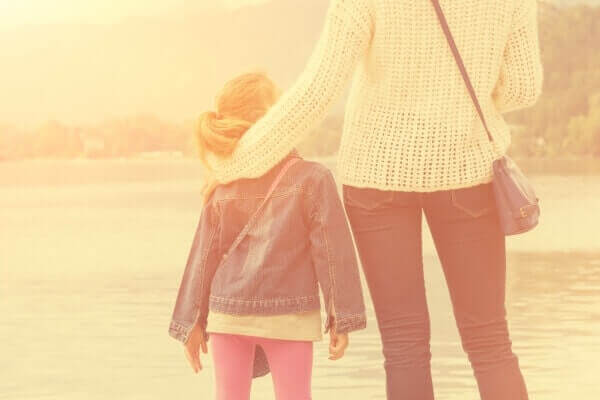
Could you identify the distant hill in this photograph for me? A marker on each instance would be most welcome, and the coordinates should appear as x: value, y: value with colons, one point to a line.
x: 169, y: 66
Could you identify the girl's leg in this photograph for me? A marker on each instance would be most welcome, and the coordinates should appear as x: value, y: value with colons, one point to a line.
x: 291, y: 367
x: 387, y: 231
x: 466, y: 231
x: 233, y: 358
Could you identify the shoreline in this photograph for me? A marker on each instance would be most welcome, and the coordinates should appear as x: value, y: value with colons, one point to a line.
x: 81, y: 171
x: 553, y: 164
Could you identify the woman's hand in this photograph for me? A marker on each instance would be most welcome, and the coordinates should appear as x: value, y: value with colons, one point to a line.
x: 338, y: 342
x: 191, y: 348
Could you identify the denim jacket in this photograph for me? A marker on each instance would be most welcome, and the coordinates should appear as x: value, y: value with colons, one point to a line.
x: 300, y: 241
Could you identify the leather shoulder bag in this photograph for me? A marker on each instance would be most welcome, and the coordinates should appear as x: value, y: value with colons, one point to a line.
x: 518, y: 206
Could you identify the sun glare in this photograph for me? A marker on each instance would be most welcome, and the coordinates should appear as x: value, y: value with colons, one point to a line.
x: 101, y: 11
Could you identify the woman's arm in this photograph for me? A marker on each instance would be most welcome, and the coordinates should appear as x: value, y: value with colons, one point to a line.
x: 345, y: 38
x: 521, y: 74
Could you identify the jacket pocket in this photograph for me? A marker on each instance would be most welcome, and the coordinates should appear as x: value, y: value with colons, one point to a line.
x: 475, y: 201
x: 366, y: 198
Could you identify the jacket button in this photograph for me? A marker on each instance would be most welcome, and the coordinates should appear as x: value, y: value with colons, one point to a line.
x: 225, y: 256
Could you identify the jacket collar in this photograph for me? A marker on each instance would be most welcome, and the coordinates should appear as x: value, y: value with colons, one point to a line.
x: 294, y: 153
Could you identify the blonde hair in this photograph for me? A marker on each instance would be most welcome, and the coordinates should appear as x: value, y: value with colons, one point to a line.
x: 241, y: 102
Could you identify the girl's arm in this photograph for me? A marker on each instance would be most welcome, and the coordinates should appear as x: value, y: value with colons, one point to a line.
x: 191, y: 307
x: 521, y: 75
x: 345, y: 38
x: 334, y: 258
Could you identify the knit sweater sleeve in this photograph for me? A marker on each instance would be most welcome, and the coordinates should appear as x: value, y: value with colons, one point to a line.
x: 344, y: 39
x: 520, y: 82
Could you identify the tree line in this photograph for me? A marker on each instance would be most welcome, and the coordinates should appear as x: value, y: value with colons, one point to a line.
x: 565, y: 122
x: 123, y: 137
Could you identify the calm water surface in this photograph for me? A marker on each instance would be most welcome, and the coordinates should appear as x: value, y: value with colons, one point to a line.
x: 91, y: 255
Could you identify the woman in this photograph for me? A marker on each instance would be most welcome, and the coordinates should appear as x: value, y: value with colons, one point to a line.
x: 413, y: 144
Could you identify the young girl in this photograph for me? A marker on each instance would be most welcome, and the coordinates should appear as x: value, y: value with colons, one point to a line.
x: 262, y: 248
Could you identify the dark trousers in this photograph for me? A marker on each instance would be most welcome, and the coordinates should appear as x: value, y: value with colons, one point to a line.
x: 471, y: 246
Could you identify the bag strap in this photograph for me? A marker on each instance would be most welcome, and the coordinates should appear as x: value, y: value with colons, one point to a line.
x: 254, y: 216
x: 460, y: 63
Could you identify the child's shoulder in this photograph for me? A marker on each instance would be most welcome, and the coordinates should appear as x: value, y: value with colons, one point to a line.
x: 305, y: 173
x: 315, y: 170
x: 315, y: 177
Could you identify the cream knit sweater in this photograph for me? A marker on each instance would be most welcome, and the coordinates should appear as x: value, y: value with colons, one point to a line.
x: 410, y: 124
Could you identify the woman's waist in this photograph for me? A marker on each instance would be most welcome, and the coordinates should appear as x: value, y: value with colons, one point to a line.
x: 413, y: 140
x: 422, y: 167
x: 420, y: 107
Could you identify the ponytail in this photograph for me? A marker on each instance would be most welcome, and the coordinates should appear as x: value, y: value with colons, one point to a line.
x: 241, y: 103
x: 220, y: 137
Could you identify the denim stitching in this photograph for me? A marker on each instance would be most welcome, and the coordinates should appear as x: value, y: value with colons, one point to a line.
x: 264, y: 306
x: 202, y: 271
x: 331, y: 268
x: 280, y: 193
x: 465, y: 209
x: 385, y: 197
x: 179, y: 331
x: 276, y: 300
x: 351, y: 322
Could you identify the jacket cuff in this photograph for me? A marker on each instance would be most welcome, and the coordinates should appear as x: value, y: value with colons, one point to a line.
x: 346, y: 324
x: 179, y: 331
x: 182, y: 332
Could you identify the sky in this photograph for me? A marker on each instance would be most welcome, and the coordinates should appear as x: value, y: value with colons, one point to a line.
x: 19, y: 12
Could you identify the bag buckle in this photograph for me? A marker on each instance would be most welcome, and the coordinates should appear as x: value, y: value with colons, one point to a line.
x: 525, y: 208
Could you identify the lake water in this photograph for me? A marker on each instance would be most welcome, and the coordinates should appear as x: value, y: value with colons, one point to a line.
x: 91, y: 254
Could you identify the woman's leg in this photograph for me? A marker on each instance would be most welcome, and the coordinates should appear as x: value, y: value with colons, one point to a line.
x: 471, y: 246
x: 233, y: 358
x: 387, y: 230
x: 291, y: 367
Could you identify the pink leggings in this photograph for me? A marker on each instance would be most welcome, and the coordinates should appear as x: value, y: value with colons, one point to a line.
x: 290, y: 363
